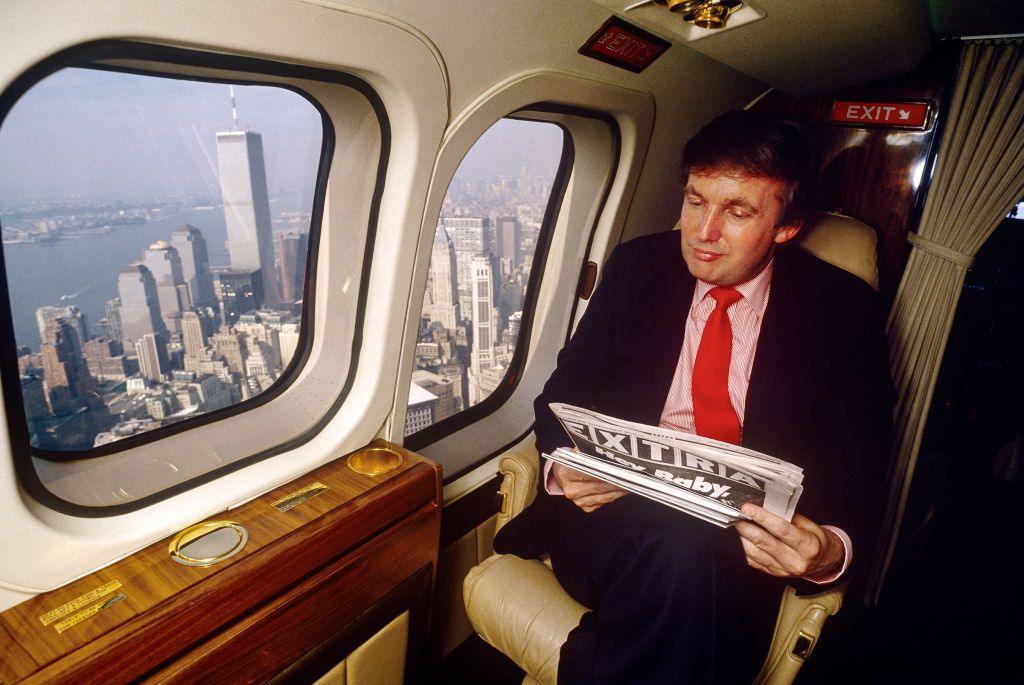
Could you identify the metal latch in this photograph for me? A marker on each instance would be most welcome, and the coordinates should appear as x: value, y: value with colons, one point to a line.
x: 803, y: 645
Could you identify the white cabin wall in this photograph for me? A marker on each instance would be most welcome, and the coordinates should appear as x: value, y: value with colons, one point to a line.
x: 44, y: 548
x: 483, y: 43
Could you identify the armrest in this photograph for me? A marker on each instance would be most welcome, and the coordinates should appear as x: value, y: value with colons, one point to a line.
x: 800, y: 621
x: 797, y: 630
x: 521, y: 468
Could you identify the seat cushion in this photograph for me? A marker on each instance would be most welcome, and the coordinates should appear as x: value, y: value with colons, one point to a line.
x: 517, y: 606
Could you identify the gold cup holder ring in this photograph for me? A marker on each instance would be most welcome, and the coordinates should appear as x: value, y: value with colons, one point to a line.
x: 374, y: 461
x: 207, y: 543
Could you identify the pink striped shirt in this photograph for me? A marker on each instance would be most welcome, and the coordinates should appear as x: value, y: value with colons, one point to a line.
x: 745, y: 316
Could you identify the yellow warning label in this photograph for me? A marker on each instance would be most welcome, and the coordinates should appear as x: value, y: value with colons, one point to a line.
x: 299, y: 496
x: 75, y: 619
x: 79, y: 602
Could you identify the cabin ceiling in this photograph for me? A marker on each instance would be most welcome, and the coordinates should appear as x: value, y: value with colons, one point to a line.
x: 800, y: 47
x: 808, y: 47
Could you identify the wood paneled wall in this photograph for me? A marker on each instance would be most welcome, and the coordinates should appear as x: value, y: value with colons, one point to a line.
x: 871, y: 174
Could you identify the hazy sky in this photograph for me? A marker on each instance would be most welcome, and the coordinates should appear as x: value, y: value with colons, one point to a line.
x: 511, y: 144
x: 100, y: 135
x: 105, y: 135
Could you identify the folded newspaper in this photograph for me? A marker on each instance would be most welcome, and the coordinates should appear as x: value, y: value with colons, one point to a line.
x: 706, y: 478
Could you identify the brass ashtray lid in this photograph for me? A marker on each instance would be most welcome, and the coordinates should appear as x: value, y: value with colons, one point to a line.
x: 374, y: 461
x: 207, y: 543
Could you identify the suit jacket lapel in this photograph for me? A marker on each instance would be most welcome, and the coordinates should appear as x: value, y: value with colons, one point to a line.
x: 784, y: 348
x: 661, y: 327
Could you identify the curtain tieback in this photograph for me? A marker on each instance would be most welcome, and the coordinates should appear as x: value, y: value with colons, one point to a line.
x: 939, y: 250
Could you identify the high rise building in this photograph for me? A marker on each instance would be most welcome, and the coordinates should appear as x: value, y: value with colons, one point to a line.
x: 468, y: 239
x: 515, y: 321
x: 230, y: 348
x: 152, y: 356
x: 243, y: 187
x: 113, y: 318
x: 71, y: 315
x: 140, y: 308
x: 420, y: 412
x: 193, y: 335
x: 485, y: 382
x: 64, y: 370
x: 483, y: 324
x: 195, y: 264
x: 291, y: 250
x: 289, y: 341
x: 37, y: 410
x: 256, y: 329
x: 509, y: 236
x: 260, y: 361
x: 443, y: 306
x: 442, y: 388
x: 455, y: 373
x: 524, y: 184
x: 510, y: 299
x: 105, y: 360
x: 238, y: 292
x: 213, y: 392
x: 163, y: 262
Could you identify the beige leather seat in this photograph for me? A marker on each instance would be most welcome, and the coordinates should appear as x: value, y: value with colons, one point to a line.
x: 517, y: 606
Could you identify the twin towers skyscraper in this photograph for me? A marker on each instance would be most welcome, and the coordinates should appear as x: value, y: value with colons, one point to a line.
x: 174, y: 277
x: 243, y: 187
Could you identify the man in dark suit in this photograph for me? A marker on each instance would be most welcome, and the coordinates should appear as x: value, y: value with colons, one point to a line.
x: 724, y: 330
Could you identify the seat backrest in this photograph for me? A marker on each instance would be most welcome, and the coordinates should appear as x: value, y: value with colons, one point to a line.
x: 842, y: 241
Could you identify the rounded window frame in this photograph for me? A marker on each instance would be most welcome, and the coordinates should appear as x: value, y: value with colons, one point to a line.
x: 494, y: 402
x: 88, y: 55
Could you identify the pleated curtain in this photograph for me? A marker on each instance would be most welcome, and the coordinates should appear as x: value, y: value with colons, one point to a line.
x: 977, y: 180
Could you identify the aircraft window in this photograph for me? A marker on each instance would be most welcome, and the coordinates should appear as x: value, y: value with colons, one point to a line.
x: 155, y: 242
x: 482, y: 269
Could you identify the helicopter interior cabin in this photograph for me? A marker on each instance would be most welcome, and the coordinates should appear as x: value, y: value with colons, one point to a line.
x: 282, y: 279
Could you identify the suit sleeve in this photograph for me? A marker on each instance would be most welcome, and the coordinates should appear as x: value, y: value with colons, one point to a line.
x: 857, y: 417
x: 584, y: 361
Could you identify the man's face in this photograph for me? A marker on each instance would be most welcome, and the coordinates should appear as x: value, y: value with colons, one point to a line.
x: 728, y: 223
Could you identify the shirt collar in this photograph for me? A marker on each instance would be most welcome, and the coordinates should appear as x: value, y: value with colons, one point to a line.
x: 755, y: 291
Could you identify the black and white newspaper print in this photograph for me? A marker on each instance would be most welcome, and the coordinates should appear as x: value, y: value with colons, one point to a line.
x: 700, y: 476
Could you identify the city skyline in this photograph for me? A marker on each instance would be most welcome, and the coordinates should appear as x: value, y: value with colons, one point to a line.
x: 182, y: 337
x: 481, y: 260
x: 134, y: 338
x: 189, y: 345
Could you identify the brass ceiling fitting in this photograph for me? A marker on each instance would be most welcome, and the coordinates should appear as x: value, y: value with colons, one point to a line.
x: 707, y: 14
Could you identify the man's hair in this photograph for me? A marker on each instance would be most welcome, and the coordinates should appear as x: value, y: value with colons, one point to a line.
x: 756, y: 144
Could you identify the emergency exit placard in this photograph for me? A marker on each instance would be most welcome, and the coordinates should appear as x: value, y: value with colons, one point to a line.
x: 620, y: 43
x: 912, y: 114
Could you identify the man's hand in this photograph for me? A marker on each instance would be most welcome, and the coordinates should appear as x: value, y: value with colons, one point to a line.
x: 780, y: 548
x: 586, y: 492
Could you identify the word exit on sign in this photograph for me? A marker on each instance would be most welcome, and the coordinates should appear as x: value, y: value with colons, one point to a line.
x: 906, y: 115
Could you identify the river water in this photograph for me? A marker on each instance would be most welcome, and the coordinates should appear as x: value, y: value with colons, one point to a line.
x: 83, y: 271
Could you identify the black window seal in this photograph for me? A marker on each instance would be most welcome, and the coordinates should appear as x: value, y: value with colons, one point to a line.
x: 95, y: 51
x: 442, y: 429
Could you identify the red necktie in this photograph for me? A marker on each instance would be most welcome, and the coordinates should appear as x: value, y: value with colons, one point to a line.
x: 712, y: 409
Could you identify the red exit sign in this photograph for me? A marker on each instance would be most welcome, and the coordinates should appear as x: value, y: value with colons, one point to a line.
x: 913, y: 115
x: 620, y: 43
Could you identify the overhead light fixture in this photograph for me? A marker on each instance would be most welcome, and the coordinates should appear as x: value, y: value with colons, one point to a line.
x: 706, y: 14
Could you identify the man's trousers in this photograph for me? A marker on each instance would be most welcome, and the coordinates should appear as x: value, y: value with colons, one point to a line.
x: 672, y: 598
